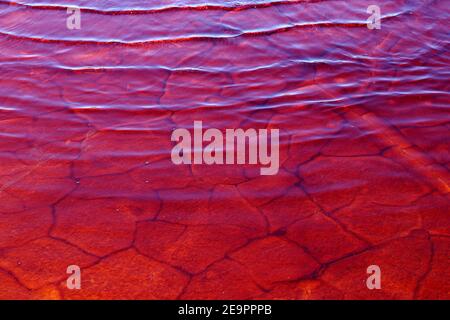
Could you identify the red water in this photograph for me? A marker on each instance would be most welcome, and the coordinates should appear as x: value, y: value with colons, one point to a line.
x: 86, y: 177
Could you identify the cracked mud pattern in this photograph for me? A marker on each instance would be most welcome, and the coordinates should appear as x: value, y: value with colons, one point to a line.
x: 85, y: 171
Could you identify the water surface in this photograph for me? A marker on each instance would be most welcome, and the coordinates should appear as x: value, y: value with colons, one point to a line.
x: 86, y: 176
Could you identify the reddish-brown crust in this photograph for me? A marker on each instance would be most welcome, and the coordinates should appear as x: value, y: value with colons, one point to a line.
x: 86, y: 177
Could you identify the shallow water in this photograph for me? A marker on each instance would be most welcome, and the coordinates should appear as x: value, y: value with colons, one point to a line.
x: 87, y: 179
